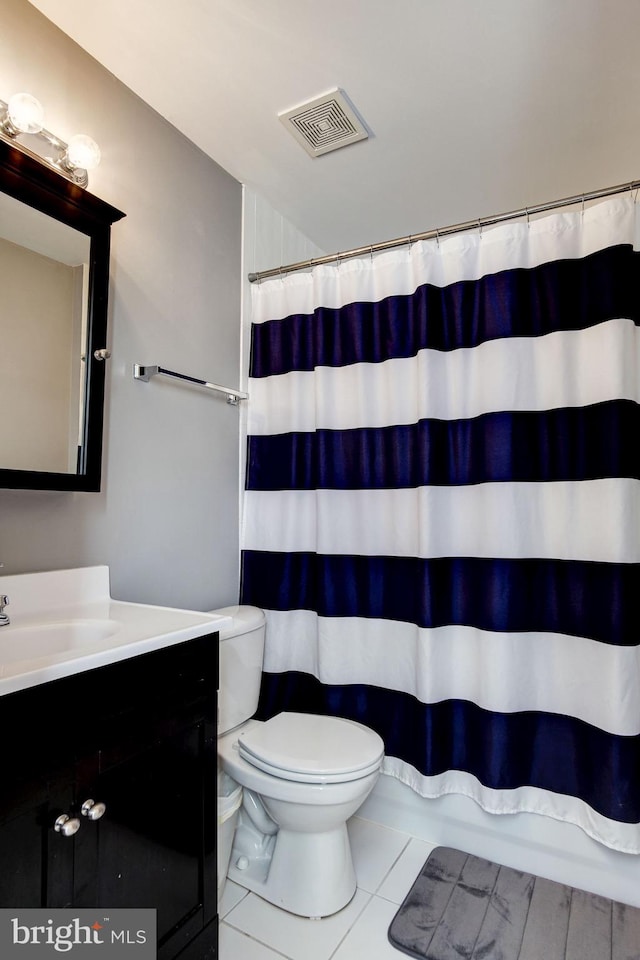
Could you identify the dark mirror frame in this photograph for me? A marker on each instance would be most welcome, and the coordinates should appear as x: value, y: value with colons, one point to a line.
x: 40, y: 187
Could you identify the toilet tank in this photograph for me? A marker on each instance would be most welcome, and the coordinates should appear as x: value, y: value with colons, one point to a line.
x: 241, y: 652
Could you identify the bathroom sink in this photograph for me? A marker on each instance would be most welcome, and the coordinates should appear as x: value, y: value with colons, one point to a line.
x: 65, y: 621
x: 48, y: 639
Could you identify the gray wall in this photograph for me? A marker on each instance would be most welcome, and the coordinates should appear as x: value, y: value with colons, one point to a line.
x: 166, y: 520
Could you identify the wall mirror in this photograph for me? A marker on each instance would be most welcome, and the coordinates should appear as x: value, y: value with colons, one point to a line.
x: 54, y: 279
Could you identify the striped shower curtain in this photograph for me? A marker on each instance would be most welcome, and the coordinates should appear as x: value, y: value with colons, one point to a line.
x: 441, y: 515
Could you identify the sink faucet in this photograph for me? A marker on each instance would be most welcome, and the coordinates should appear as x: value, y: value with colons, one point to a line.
x: 4, y: 602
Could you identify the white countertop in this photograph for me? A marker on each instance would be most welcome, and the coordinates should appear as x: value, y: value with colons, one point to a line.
x: 65, y: 622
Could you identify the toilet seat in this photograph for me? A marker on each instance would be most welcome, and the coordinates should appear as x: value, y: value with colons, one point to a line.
x: 309, y: 748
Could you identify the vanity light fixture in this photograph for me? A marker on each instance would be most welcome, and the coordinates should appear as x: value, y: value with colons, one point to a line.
x: 22, y: 125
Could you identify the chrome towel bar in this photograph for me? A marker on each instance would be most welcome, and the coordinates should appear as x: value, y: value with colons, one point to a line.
x: 145, y: 373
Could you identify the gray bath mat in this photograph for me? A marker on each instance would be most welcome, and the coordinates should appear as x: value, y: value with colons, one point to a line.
x: 462, y: 907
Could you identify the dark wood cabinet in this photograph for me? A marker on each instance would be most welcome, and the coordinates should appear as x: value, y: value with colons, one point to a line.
x: 138, y: 737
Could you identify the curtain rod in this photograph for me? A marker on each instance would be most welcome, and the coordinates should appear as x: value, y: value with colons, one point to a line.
x: 443, y: 231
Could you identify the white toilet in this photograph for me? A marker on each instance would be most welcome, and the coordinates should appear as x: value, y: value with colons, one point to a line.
x: 303, y: 776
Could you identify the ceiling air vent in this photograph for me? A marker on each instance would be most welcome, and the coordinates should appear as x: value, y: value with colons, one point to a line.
x: 326, y: 123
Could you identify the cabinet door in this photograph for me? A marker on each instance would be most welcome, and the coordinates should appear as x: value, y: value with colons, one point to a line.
x: 36, y: 861
x: 155, y: 843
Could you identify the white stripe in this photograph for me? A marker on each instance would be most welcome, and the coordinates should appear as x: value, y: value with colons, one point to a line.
x: 624, y: 837
x: 520, y: 373
x: 575, y: 676
x: 462, y: 256
x: 573, y: 520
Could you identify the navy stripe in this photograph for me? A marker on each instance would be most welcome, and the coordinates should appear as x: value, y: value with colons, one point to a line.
x: 562, y: 295
x: 575, y: 443
x: 577, y: 597
x: 504, y: 751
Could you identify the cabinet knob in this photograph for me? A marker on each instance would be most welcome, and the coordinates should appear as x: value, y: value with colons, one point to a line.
x: 66, y: 825
x: 93, y: 810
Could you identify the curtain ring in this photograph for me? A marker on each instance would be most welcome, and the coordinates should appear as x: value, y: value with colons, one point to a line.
x: 526, y: 213
x: 371, y: 253
x: 338, y: 260
x: 582, y: 207
x: 480, y: 227
x: 437, y: 236
x: 410, y: 241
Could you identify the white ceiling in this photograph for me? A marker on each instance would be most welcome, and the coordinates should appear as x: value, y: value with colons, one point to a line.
x: 475, y: 106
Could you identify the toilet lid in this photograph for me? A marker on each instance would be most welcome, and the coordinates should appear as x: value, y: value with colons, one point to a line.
x: 312, y: 749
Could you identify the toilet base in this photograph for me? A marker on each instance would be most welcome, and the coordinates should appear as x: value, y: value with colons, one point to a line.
x: 308, y: 874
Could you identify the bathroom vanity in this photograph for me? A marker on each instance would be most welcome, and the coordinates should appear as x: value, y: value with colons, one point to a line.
x: 108, y: 790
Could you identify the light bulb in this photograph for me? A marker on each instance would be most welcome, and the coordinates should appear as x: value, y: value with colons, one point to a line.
x: 26, y: 114
x: 82, y: 152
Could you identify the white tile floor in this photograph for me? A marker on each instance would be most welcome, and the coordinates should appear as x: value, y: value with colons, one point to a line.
x: 386, y: 864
